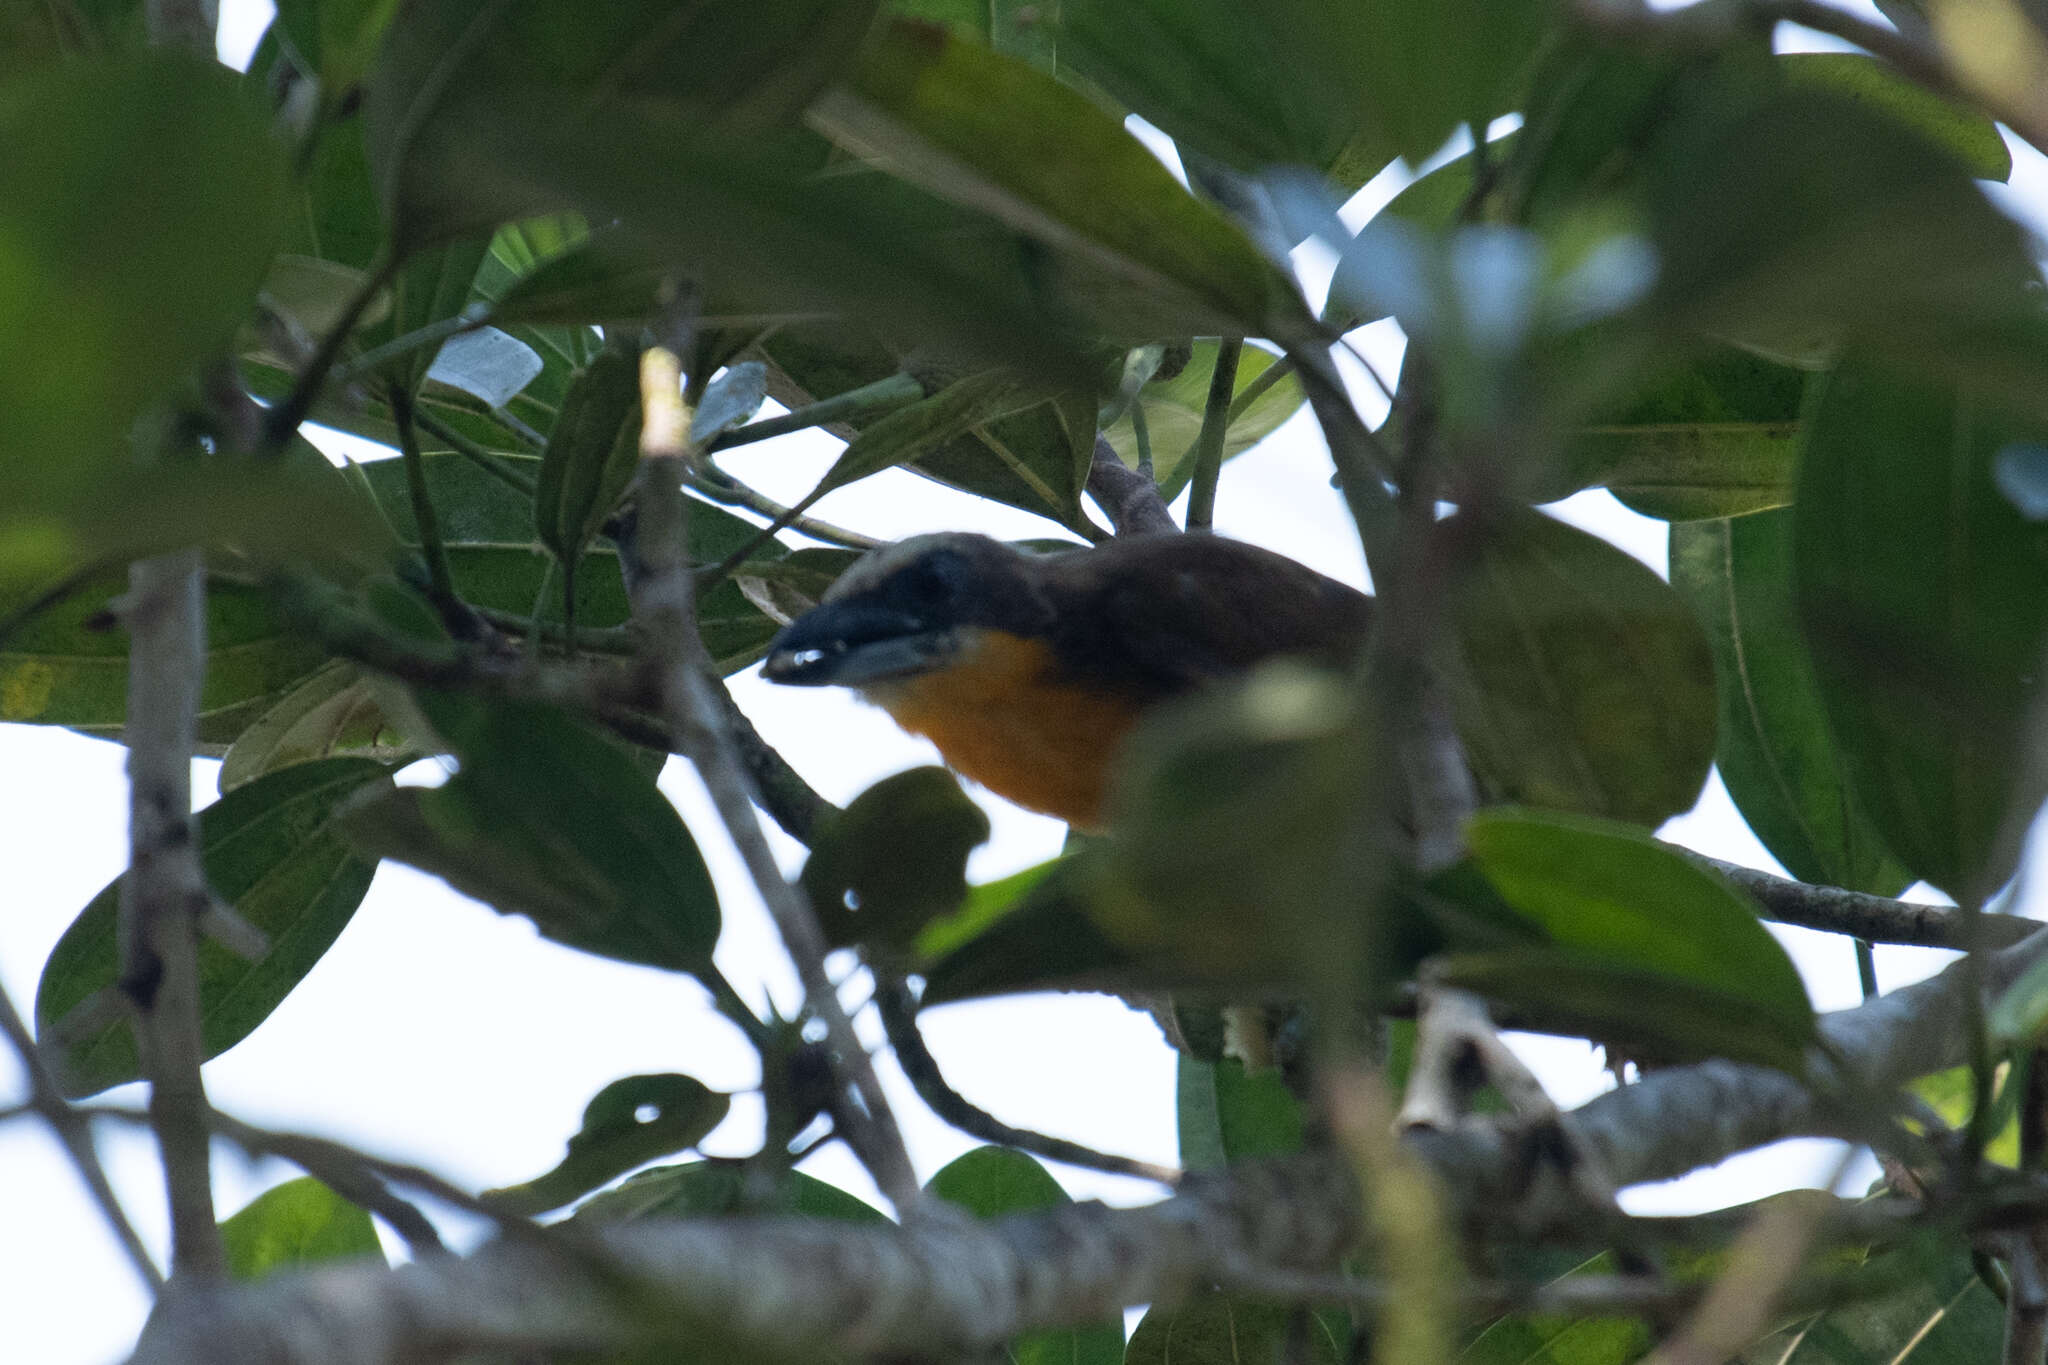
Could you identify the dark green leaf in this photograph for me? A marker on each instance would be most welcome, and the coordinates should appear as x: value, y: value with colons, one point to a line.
x: 1928, y: 1308
x: 1871, y: 234
x: 1715, y: 438
x: 989, y: 132
x: 711, y: 1189
x: 433, y: 286
x: 1037, y: 459
x: 273, y: 852
x: 117, y: 283
x: 1924, y: 597
x: 1173, y: 414
x: 1777, y: 754
x: 894, y: 859
x: 1562, y: 1339
x: 1024, y: 29
x: 335, y: 39
x: 41, y: 33
x: 1586, y: 683
x: 294, y: 1225
x: 1227, y: 1114
x: 1971, y: 137
x: 1647, y: 945
x: 629, y: 1123
x: 1214, y: 1330
x: 989, y: 1182
x: 335, y: 711
x: 1203, y: 71
x: 546, y: 819
x: 915, y: 432
x: 591, y: 456
x: 68, y: 664
x: 466, y: 126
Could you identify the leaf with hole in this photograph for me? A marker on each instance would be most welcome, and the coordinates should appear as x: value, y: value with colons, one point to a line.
x: 894, y: 859
x: 629, y: 1123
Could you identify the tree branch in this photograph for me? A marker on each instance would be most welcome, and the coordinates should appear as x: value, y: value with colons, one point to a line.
x: 899, y: 1019
x: 1877, y: 919
x: 1127, y: 497
x: 164, y: 892
x: 940, y: 1289
x: 665, y: 607
x: 74, y: 1132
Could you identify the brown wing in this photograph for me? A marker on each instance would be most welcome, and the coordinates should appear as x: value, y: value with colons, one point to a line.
x: 1156, y: 616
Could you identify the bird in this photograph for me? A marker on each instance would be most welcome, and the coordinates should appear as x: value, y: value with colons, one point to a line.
x: 1028, y: 670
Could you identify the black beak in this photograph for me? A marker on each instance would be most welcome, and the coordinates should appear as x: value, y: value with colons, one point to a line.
x: 851, y: 643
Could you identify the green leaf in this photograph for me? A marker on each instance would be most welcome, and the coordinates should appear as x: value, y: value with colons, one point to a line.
x: 1777, y: 753
x: 1878, y: 87
x: 989, y: 1182
x: 1215, y: 1330
x: 1562, y: 1339
x: 1227, y: 1114
x: 335, y: 39
x: 1203, y: 72
x: 1874, y: 235
x: 1924, y: 598
x: 894, y: 859
x: 68, y: 664
x: 1036, y: 459
x: 432, y: 286
x: 1951, y: 1094
x: 273, y: 852
x: 466, y: 122
x: 1024, y: 29
x: 1647, y: 945
x: 591, y: 456
x: 1717, y: 437
x: 712, y: 1189
x: 41, y: 34
x: 989, y: 132
x: 1927, y: 1307
x: 115, y: 285
x: 297, y: 1224
x: 335, y: 711
x: 911, y: 433
x: 1173, y: 414
x: 629, y: 1123
x: 547, y: 820
x: 1586, y: 683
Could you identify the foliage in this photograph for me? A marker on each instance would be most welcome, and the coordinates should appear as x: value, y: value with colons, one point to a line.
x: 1762, y: 298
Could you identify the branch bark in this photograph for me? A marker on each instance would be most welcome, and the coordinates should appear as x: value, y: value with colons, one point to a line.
x: 1877, y: 919
x: 664, y: 601
x: 1127, y: 497
x: 164, y: 892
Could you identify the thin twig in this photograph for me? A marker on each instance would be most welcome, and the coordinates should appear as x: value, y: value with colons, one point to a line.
x: 664, y: 606
x: 74, y: 1132
x: 284, y: 420
x: 164, y: 891
x: 721, y: 487
x: 1878, y: 919
x: 882, y: 396
x: 1209, y: 441
x: 899, y: 1019
x: 425, y: 519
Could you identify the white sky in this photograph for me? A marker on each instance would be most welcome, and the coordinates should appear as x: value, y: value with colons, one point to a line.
x: 440, y: 1032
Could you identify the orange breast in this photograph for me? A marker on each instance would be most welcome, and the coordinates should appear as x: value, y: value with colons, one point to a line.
x: 998, y: 716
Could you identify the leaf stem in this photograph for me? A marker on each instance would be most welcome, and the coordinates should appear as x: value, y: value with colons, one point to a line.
x: 882, y: 396
x: 284, y: 420
x: 424, y: 517
x: 1209, y: 442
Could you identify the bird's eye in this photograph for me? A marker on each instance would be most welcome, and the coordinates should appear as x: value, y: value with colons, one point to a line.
x: 934, y: 579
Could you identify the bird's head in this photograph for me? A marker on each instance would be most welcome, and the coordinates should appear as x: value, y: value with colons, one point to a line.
x: 909, y: 608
